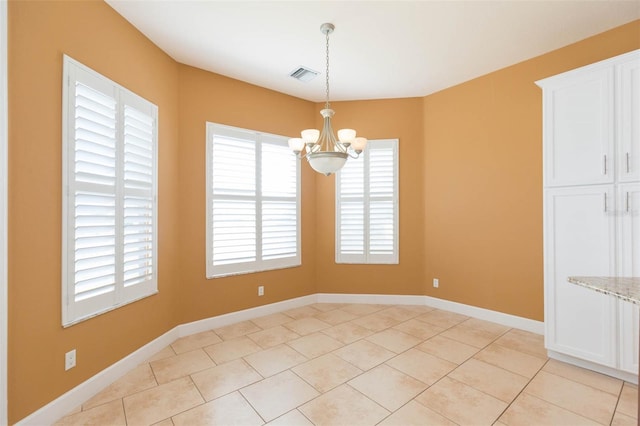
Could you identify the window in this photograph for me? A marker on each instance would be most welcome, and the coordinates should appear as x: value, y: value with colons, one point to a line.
x: 109, y: 195
x: 367, y: 206
x: 253, y: 202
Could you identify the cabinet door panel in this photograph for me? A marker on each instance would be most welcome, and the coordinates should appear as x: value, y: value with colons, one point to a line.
x: 628, y: 118
x: 628, y: 213
x: 578, y: 129
x: 579, y: 242
x: 629, y: 337
x: 629, y: 266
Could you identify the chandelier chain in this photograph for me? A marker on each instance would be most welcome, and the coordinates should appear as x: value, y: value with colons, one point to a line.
x: 327, y: 71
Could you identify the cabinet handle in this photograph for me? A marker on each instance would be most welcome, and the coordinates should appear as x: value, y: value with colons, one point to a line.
x: 604, y: 163
x: 605, y: 202
x: 627, y: 159
x: 627, y: 202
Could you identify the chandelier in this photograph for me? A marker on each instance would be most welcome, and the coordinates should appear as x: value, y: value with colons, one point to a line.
x: 325, y: 153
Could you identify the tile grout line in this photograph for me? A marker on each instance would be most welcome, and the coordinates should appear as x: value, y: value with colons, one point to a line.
x: 521, y: 392
x: 124, y: 412
x: 579, y: 383
x: 249, y: 402
x: 188, y: 409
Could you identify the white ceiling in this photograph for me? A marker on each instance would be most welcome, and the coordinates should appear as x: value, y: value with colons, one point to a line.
x: 380, y: 49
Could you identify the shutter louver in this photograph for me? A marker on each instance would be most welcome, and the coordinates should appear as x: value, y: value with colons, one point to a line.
x: 351, y: 211
x: 381, y: 217
x: 138, y: 150
x: 279, y: 206
x: 138, y: 240
x: 234, y: 207
x: 234, y: 163
x: 138, y: 243
x: 279, y: 230
x: 352, y: 227
x: 94, y: 244
x: 381, y: 209
x: 234, y: 231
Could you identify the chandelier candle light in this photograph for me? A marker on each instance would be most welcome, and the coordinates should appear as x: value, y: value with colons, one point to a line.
x: 325, y: 153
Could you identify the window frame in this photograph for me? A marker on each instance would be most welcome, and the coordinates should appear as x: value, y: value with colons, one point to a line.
x: 366, y: 257
x: 74, y: 311
x: 260, y: 264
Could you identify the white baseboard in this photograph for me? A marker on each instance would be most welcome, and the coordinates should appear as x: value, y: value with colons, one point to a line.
x: 69, y: 401
x: 509, y: 320
x: 459, y: 308
x: 379, y: 299
x: 244, y: 315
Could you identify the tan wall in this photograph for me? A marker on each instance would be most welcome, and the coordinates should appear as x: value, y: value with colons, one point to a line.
x: 378, y: 119
x: 483, y: 180
x: 94, y: 34
x: 209, y: 97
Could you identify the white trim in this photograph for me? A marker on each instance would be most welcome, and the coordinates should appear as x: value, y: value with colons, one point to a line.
x: 4, y: 177
x: 244, y: 315
x: 509, y: 320
x: 64, y: 404
x: 380, y: 299
x: 472, y: 311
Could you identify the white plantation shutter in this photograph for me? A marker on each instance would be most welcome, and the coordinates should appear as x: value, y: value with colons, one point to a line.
x: 382, y: 202
x: 350, y: 214
x: 109, y: 199
x: 233, y: 201
x: 253, y: 202
x: 279, y: 179
x: 367, y: 206
x: 139, y: 218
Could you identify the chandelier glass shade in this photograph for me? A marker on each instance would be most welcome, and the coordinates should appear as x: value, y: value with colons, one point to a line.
x: 325, y: 153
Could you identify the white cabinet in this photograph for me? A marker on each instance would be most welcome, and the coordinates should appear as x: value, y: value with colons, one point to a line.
x: 579, y: 321
x: 628, y: 125
x: 578, y: 128
x: 591, y: 131
x: 628, y: 215
x: 629, y: 265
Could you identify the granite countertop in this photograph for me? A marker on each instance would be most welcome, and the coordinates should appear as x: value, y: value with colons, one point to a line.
x: 625, y: 288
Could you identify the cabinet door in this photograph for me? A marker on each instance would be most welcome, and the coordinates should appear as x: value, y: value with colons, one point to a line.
x: 629, y: 266
x: 579, y: 241
x: 629, y: 317
x: 628, y: 118
x: 578, y: 128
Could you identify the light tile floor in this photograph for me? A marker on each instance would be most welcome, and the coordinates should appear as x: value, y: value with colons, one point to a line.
x: 333, y: 364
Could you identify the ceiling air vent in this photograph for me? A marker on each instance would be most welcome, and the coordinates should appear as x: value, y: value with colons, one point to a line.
x: 304, y: 74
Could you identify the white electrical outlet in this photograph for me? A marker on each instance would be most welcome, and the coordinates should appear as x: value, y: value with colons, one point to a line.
x: 260, y: 290
x: 70, y: 359
x: 436, y: 283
